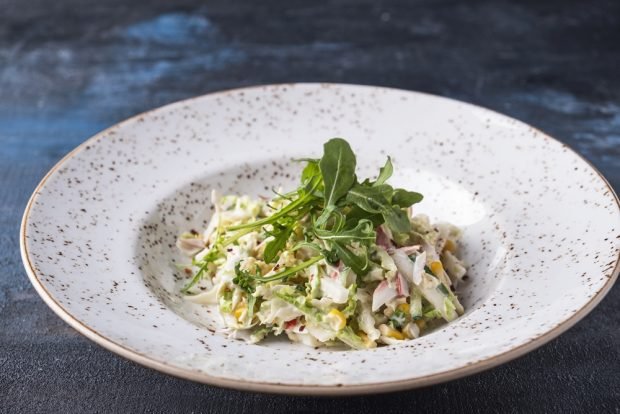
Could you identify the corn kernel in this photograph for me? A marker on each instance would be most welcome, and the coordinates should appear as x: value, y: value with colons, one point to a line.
x: 366, y: 340
x: 449, y: 246
x: 421, y: 323
x: 437, y: 267
x: 239, y: 311
x: 336, y: 319
x: 391, y: 332
x: 404, y: 307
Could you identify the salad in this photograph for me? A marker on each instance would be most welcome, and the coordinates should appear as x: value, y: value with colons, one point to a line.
x: 337, y: 260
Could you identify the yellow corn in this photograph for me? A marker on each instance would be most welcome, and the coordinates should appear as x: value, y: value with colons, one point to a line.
x: 404, y: 307
x: 393, y: 333
x: 239, y: 311
x: 437, y: 267
x: 449, y: 246
x: 366, y: 340
x: 337, y: 319
x: 421, y: 323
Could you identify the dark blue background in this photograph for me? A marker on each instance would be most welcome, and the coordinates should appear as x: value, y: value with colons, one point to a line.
x: 70, y: 68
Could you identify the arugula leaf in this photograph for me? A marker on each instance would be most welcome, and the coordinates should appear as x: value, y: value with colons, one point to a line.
x: 355, y: 214
x: 370, y: 199
x: 385, y: 173
x: 359, y: 264
x: 288, y: 271
x: 210, y: 257
x: 296, y: 205
x: 364, y: 232
x: 342, y: 214
x: 306, y: 159
x: 331, y: 256
x: 280, y: 233
x: 311, y: 179
x: 338, y: 169
x: 310, y: 171
x: 236, y: 236
x: 404, y: 198
x: 376, y: 200
x: 333, y: 219
x: 396, y: 219
x: 385, y: 190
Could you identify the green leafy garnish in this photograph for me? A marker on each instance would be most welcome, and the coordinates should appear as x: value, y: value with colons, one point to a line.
x: 371, y: 199
x: 244, y: 279
x: 281, y: 232
x: 385, y: 173
x: 404, y: 198
x: 398, y: 319
x: 340, y: 214
x: 364, y: 231
x: 338, y: 169
x: 378, y: 200
x: 210, y: 257
x: 396, y: 219
x: 289, y: 271
x: 360, y: 264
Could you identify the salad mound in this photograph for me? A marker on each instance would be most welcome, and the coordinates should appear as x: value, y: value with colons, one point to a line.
x: 337, y: 260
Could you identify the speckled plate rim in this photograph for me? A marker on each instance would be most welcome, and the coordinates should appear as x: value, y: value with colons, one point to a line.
x: 325, y: 390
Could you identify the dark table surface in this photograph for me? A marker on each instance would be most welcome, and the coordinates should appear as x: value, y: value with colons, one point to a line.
x: 69, y: 68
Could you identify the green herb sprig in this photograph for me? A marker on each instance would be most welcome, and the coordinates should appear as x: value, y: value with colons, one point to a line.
x: 341, y: 212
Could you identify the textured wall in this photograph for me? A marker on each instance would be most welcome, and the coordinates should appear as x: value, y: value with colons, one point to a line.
x: 70, y: 68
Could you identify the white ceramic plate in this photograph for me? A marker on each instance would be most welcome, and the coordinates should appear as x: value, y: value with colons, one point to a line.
x: 541, y: 226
